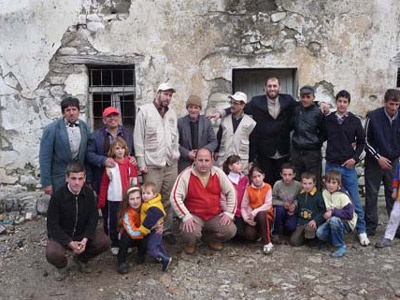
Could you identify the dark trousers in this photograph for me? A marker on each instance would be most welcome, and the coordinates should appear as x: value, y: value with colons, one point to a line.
x: 240, y: 225
x: 55, y: 252
x: 272, y: 168
x: 126, y: 242
x: 264, y: 220
x: 283, y: 221
x: 112, y: 222
x: 374, y: 175
x: 307, y: 161
x: 155, y: 246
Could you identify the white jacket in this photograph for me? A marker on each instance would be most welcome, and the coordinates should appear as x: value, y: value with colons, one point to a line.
x: 236, y: 143
x: 156, y: 139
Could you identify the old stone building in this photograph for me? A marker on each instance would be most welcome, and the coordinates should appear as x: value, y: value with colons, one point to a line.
x: 116, y: 52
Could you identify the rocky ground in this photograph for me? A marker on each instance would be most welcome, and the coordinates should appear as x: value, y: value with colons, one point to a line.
x: 240, y: 271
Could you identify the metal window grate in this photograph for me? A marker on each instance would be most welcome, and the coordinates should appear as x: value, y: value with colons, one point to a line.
x: 112, y: 86
x: 398, y: 78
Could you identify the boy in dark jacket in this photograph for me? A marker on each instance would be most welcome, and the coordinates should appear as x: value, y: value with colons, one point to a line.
x: 309, y: 211
x: 308, y: 135
x: 345, y: 144
x: 71, y: 224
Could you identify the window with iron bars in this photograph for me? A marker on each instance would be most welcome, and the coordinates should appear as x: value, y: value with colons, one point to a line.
x: 112, y: 86
x: 398, y: 78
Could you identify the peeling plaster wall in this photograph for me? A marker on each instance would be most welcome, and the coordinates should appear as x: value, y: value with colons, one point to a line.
x: 45, y: 45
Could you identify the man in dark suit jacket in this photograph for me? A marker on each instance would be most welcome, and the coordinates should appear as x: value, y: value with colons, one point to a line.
x: 195, y: 132
x: 63, y: 142
x: 270, y: 140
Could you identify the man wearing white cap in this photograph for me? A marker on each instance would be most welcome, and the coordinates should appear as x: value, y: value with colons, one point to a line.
x: 156, y: 141
x: 234, y: 132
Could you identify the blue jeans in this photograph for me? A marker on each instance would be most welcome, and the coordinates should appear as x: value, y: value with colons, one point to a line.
x: 282, y: 219
x: 155, y: 245
x: 350, y: 183
x: 334, y: 229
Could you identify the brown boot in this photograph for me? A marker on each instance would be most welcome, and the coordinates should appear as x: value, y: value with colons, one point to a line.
x: 189, y: 249
x: 215, y: 246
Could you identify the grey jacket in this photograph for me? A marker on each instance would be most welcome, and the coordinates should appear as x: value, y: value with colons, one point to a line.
x: 206, y: 139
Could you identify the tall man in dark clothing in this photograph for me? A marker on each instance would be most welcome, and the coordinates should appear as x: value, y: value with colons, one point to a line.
x: 346, y: 142
x: 71, y: 224
x: 382, y: 131
x: 270, y: 140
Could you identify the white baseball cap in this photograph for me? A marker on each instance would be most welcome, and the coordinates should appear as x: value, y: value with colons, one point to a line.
x: 165, y: 87
x: 239, y: 96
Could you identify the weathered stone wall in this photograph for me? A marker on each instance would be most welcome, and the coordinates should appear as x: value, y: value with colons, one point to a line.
x: 45, y: 46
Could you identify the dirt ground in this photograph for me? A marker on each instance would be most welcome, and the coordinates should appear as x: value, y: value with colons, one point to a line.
x: 239, y: 271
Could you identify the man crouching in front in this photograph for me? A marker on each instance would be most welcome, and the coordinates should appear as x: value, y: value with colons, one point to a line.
x: 71, y: 224
x: 196, y: 199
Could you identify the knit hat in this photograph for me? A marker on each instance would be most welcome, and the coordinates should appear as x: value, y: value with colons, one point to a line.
x: 193, y: 100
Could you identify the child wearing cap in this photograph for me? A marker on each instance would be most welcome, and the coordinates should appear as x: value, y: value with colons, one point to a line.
x: 195, y: 132
x: 234, y: 133
x: 308, y: 135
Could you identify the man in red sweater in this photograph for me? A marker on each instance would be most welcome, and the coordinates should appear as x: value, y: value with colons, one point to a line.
x: 196, y: 199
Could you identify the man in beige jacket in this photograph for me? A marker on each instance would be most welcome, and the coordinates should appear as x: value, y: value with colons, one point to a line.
x: 156, y: 141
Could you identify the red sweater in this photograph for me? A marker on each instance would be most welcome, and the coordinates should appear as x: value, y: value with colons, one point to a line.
x: 240, y: 189
x: 201, y: 201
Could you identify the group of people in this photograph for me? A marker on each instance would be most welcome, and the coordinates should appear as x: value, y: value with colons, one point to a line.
x: 262, y: 184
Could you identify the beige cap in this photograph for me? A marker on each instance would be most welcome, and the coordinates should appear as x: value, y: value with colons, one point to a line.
x: 239, y: 96
x: 165, y: 87
x: 193, y: 100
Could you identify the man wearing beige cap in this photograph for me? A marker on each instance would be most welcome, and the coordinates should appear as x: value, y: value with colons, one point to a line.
x: 234, y: 132
x: 195, y: 132
x: 156, y: 141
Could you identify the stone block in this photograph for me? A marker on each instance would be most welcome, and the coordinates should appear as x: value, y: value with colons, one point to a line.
x: 278, y: 16
x: 68, y: 51
x: 28, y: 180
x: 43, y: 204
x: 95, y: 26
x: 57, y: 91
x: 57, y: 79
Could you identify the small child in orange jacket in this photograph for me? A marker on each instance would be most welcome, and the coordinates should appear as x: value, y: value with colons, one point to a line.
x: 128, y: 224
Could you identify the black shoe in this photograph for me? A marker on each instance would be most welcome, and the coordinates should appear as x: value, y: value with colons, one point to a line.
x: 140, y: 259
x: 371, y: 232
x: 170, y: 239
x: 122, y: 268
x: 165, y: 263
x: 384, y: 243
x: 277, y: 239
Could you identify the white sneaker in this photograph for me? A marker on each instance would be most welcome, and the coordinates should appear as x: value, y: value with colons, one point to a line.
x: 364, y: 241
x: 268, y: 249
x: 114, y: 250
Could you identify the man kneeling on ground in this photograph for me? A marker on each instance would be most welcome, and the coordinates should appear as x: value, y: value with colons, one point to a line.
x: 196, y: 199
x: 71, y: 224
